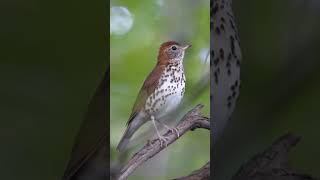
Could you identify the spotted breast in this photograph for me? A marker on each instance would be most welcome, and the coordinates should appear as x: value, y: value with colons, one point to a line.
x: 169, y: 92
x: 225, y: 64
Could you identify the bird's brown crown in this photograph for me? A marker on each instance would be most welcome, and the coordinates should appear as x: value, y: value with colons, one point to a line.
x: 168, y: 44
x: 168, y: 51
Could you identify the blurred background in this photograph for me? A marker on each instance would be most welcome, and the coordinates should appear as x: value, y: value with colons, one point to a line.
x: 53, y: 55
x: 280, y: 84
x: 137, y: 29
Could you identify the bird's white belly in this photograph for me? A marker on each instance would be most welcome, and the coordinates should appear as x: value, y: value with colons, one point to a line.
x: 170, y: 104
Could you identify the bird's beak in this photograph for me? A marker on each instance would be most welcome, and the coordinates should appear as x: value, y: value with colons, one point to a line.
x: 186, y: 46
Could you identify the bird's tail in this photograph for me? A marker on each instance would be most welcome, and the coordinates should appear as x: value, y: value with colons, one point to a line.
x: 132, y: 127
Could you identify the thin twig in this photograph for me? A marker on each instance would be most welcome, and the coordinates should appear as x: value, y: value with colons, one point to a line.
x: 192, y: 120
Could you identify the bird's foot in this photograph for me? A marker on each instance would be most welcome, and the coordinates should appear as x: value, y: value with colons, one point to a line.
x: 163, y: 140
x: 173, y: 130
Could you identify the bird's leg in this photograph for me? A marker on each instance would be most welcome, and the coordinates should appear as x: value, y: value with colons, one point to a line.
x: 173, y: 130
x: 161, y: 138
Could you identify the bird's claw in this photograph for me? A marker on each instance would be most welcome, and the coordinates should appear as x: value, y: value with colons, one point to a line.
x: 164, y: 140
x: 175, y: 131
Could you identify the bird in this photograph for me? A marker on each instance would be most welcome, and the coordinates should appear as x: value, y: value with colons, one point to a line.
x: 226, y: 57
x: 160, y: 94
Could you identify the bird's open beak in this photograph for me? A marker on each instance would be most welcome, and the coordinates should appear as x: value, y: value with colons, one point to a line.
x: 186, y: 46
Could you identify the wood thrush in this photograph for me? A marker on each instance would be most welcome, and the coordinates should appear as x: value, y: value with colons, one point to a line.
x: 161, y: 92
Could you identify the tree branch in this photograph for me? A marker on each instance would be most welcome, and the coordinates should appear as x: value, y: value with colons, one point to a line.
x: 192, y: 120
x: 272, y: 164
x: 200, y: 174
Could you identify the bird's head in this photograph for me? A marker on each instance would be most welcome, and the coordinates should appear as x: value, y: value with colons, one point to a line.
x: 171, y: 52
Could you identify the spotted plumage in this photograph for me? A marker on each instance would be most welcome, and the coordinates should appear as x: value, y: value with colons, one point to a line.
x: 169, y: 92
x: 226, y: 61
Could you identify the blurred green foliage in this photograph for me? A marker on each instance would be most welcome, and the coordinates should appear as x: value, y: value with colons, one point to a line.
x: 134, y: 54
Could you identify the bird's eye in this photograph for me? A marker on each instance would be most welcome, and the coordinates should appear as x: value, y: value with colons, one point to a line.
x: 174, y: 48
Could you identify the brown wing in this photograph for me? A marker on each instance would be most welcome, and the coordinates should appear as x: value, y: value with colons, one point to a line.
x: 148, y: 87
